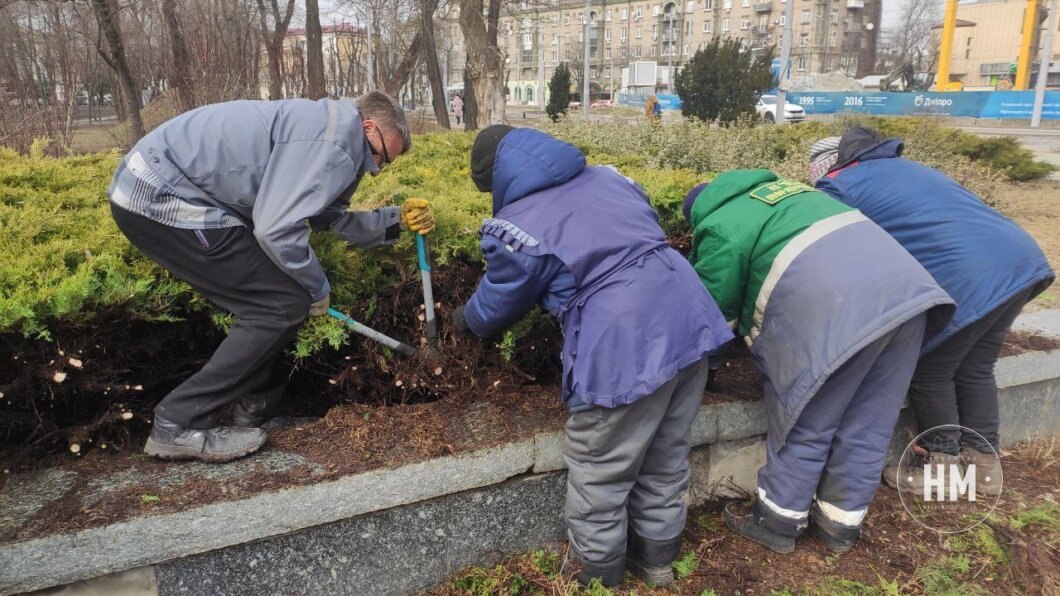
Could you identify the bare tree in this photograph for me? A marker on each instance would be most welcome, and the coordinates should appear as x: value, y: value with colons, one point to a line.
x: 397, y: 77
x: 483, y: 71
x: 273, y: 40
x: 913, y: 40
x: 179, y: 72
x: 430, y: 55
x: 107, y: 16
x: 314, y: 51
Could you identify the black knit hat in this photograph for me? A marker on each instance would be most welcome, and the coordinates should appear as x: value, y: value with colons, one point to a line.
x: 483, y: 154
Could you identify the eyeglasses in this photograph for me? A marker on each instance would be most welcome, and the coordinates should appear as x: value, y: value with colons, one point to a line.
x: 386, y: 155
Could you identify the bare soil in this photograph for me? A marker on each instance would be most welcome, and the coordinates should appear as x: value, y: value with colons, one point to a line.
x: 894, y: 555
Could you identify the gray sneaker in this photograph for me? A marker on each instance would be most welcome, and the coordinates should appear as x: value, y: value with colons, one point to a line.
x: 169, y: 440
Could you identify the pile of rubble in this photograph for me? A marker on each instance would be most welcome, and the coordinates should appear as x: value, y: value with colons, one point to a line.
x: 829, y: 81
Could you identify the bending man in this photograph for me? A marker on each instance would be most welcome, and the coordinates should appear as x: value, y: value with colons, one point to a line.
x: 224, y: 197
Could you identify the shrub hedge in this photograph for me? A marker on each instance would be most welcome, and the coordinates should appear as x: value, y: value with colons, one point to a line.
x: 65, y: 262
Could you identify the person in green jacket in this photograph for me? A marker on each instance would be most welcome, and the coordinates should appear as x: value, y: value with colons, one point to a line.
x: 834, y: 312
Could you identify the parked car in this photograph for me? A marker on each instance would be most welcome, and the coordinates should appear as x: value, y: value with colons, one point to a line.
x: 767, y: 110
x: 600, y: 103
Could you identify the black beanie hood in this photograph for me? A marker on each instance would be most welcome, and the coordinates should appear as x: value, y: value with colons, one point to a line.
x: 484, y: 153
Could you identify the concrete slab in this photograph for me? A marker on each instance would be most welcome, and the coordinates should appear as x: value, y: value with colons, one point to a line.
x: 134, y: 582
x: 1030, y: 367
x: 1046, y: 322
x: 1030, y: 411
x: 733, y: 468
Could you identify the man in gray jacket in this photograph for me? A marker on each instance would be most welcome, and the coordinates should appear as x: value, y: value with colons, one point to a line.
x: 224, y: 197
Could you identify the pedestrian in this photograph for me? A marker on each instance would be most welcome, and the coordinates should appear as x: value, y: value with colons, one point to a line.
x: 834, y: 312
x: 989, y: 265
x: 584, y: 243
x: 224, y: 197
x: 458, y: 107
x: 653, y: 110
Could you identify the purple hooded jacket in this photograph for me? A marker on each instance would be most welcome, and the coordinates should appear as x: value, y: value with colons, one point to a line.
x: 585, y: 244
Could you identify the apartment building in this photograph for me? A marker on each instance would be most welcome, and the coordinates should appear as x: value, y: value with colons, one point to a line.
x: 986, y: 43
x: 827, y: 35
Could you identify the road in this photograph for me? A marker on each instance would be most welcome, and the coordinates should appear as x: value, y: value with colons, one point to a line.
x: 1044, y: 142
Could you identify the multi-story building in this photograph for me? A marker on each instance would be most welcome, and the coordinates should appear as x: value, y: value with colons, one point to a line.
x: 827, y: 35
x: 986, y: 43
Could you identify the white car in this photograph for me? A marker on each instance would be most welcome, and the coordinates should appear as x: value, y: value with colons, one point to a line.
x: 767, y: 110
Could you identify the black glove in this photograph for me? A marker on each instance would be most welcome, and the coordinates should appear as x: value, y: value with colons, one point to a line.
x: 459, y: 321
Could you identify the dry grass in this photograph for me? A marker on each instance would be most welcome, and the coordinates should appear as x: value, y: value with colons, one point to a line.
x: 1036, y: 207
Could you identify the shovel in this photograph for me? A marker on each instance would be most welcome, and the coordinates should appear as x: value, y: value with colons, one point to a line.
x: 423, y: 253
x: 399, y: 347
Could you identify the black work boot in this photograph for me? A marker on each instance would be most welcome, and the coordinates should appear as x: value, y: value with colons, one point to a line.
x: 243, y: 418
x: 609, y: 574
x: 651, y: 560
x: 764, y: 527
x: 836, y: 536
x: 169, y: 440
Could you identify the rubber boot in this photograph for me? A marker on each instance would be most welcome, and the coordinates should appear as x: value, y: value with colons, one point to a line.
x: 988, y: 473
x: 838, y: 537
x: 610, y: 574
x: 651, y: 560
x: 764, y: 527
x: 169, y: 440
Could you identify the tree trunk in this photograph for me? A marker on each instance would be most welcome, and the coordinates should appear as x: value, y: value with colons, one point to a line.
x: 434, y: 71
x: 484, y: 67
x: 273, y: 39
x: 179, y: 77
x: 314, y: 51
x: 404, y: 68
x: 470, y: 107
x: 107, y: 17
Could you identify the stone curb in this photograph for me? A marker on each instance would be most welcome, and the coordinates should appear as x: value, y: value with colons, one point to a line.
x: 60, y: 559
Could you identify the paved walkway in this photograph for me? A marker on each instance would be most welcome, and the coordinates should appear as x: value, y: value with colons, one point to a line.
x: 1044, y: 142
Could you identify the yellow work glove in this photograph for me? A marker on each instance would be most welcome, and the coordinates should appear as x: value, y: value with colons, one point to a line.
x: 416, y: 215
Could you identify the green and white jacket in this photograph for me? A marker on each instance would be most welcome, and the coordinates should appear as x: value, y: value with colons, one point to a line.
x: 806, y: 280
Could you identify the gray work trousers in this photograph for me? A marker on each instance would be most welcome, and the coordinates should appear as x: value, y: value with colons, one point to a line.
x: 839, y: 443
x: 629, y: 468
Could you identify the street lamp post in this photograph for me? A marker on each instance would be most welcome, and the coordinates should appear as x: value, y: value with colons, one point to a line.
x: 585, y: 63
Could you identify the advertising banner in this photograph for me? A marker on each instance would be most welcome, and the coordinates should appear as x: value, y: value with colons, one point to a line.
x: 963, y: 104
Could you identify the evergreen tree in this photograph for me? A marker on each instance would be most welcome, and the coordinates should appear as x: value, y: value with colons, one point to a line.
x: 559, y: 92
x: 721, y: 82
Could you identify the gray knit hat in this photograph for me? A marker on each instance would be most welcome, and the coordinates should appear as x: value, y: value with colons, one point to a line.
x: 823, y: 156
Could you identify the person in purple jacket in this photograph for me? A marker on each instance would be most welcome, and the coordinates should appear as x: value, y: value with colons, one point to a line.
x: 989, y: 265
x: 584, y: 243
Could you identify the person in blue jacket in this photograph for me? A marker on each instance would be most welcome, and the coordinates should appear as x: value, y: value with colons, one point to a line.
x: 584, y: 243
x: 224, y: 197
x: 989, y: 265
